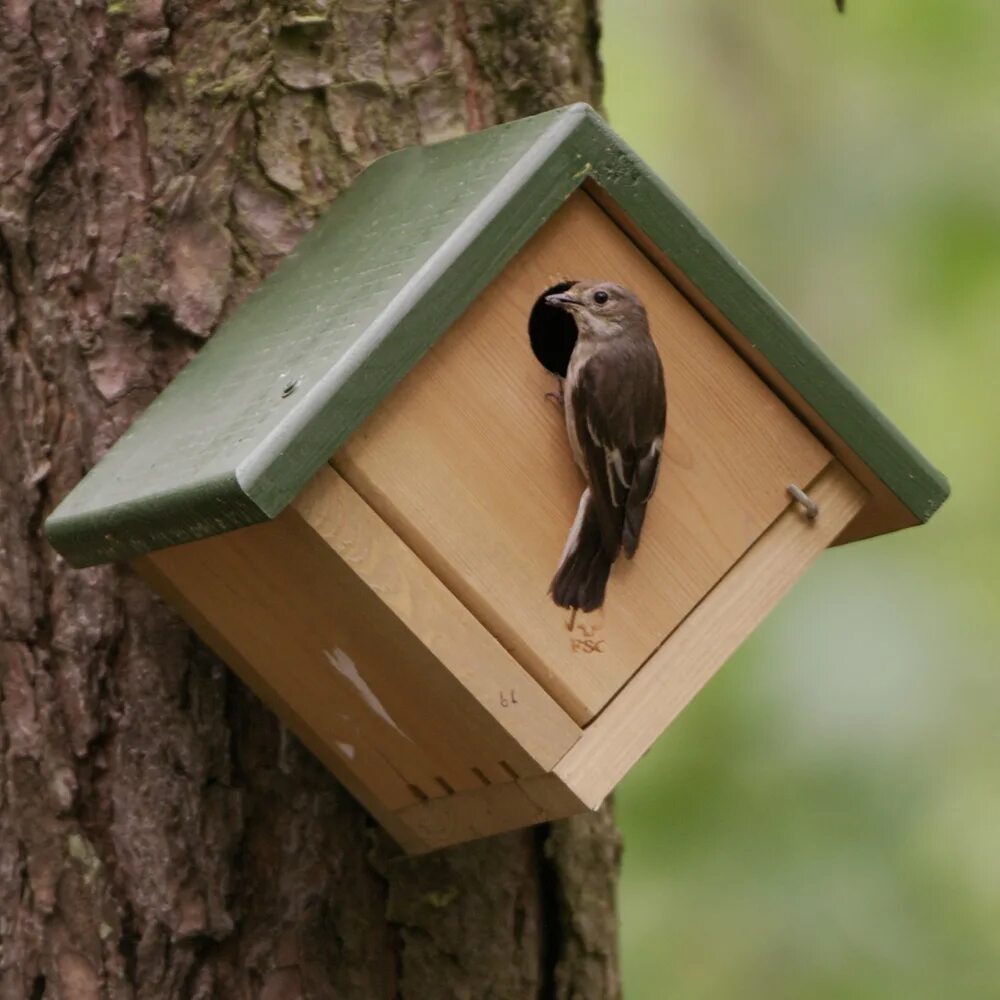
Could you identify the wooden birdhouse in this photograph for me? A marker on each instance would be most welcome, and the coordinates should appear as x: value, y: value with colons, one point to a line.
x: 357, y: 493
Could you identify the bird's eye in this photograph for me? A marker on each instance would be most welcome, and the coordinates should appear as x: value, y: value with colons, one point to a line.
x: 600, y: 297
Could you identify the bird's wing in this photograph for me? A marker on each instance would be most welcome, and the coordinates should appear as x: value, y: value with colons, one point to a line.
x: 619, y: 406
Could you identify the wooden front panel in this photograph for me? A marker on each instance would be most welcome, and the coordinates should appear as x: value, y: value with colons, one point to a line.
x: 468, y: 461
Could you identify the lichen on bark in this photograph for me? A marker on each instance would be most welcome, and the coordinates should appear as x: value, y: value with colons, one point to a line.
x: 160, y: 835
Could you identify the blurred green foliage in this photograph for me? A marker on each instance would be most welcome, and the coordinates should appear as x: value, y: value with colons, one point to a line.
x: 824, y: 820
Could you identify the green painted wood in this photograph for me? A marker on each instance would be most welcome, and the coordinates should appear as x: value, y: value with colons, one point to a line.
x: 381, y: 276
x: 855, y: 419
x: 392, y: 263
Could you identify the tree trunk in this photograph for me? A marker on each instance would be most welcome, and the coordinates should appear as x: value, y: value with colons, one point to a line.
x: 160, y: 835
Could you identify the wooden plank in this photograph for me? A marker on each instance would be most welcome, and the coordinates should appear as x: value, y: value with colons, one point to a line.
x: 707, y: 638
x: 326, y: 610
x: 708, y: 266
x: 885, y: 511
x: 469, y: 464
x: 490, y: 700
x: 487, y: 812
x: 367, y: 777
x: 232, y: 582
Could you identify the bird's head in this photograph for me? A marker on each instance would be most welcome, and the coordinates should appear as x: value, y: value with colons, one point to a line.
x: 602, y: 309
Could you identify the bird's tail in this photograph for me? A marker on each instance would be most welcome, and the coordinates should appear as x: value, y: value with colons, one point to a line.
x: 586, y: 564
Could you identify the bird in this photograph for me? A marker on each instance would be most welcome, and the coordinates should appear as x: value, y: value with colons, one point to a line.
x: 615, y: 404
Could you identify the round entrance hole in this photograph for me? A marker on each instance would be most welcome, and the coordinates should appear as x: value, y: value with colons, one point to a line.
x: 552, y: 331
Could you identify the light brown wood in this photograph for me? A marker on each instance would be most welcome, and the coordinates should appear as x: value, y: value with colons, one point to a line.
x: 370, y: 779
x: 254, y: 587
x: 510, y: 715
x: 707, y: 638
x: 326, y: 613
x: 487, y: 812
x: 884, y: 508
x: 468, y: 462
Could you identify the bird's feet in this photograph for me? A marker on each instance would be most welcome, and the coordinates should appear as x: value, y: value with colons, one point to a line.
x: 557, y: 397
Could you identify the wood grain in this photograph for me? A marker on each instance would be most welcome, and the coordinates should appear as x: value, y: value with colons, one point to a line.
x: 708, y: 637
x: 468, y: 462
x: 328, y: 615
x: 478, y: 692
x: 487, y: 812
x: 370, y: 779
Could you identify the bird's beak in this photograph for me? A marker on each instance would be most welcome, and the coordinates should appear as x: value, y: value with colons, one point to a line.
x: 562, y: 301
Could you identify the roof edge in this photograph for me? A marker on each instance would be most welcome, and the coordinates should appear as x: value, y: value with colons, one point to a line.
x: 433, y: 299
x: 126, y: 530
x: 264, y: 482
x: 768, y: 327
x: 562, y: 149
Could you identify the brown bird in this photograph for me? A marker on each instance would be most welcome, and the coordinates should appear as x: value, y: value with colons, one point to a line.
x: 616, y: 413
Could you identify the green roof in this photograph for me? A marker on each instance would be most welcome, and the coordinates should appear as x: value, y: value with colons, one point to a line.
x: 393, y: 262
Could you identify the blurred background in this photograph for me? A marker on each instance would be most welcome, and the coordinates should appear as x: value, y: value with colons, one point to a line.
x: 824, y: 820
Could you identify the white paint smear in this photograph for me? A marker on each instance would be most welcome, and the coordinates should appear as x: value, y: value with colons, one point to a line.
x: 344, y: 665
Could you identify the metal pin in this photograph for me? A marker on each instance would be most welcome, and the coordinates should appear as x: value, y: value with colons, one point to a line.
x: 800, y: 496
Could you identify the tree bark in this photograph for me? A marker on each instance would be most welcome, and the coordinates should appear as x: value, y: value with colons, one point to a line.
x: 160, y: 835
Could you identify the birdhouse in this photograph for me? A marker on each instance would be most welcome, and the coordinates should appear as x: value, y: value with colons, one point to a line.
x: 358, y: 491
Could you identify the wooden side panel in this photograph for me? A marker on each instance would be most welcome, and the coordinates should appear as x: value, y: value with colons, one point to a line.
x: 707, y: 638
x: 370, y: 780
x: 335, y: 638
x: 469, y: 463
